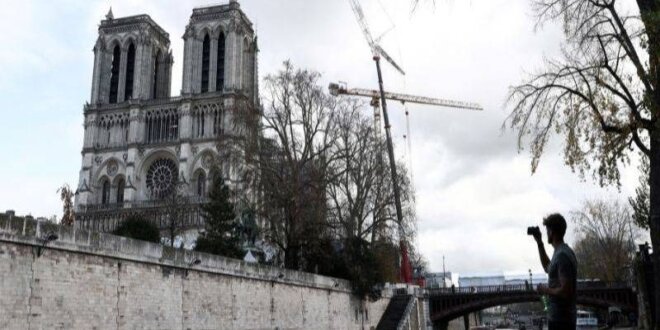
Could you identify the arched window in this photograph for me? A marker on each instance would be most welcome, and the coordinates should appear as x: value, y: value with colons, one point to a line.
x: 201, y: 184
x: 114, y: 74
x: 206, y: 52
x: 120, y: 191
x: 105, y: 192
x: 130, y: 69
x: 156, y: 68
x: 220, y: 72
x: 246, y: 65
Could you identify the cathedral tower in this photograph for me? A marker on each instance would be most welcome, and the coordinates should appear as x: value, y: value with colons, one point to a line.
x: 220, y: 52
x: 132, y: 60
x: 142, y: 145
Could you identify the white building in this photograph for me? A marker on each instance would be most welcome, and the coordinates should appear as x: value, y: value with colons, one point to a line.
x: 141, y: 143
x: 495, y: 279
x: 438, y: 280
x: 472, y: 280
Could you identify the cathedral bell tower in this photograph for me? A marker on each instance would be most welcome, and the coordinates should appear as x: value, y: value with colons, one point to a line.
x: 220, y: 52
x: 132, y: 60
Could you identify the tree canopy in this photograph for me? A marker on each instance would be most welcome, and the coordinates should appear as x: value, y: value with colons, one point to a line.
x: 599, y: 95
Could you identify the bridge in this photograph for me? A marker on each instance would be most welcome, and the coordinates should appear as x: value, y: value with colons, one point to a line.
x: 446, y: 304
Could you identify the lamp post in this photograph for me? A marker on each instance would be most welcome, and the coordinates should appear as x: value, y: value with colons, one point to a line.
x: 47, y: 239
x: 531, y: 285
x: 444, y: 273
x: 190, y: 265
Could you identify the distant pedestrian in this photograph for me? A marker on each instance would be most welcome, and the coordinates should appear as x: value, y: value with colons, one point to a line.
x: 562, y: 274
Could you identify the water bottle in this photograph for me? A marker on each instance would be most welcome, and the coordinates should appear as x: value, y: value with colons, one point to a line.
x: 544, y: 301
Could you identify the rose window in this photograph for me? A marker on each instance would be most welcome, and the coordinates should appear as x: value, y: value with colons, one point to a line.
x: 161, y: 178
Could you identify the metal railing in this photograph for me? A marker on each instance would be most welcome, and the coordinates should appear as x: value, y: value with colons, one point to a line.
x: 127, y: 205
x: 521, y: 288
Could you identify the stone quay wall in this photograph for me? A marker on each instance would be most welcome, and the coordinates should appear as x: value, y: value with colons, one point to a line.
x: 91, y: 280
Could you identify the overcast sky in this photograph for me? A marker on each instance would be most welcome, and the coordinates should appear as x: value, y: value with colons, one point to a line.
x: 475, y: 192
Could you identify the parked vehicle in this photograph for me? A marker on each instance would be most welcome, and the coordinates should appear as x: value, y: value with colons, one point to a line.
x: 586, y: 319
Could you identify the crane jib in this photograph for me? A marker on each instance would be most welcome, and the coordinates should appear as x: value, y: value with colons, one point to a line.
x: 338, y: 89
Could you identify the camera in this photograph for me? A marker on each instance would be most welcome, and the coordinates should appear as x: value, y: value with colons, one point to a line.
x: 533, y: 231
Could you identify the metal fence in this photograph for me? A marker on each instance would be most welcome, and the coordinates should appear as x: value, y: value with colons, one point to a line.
x: 581, y: 285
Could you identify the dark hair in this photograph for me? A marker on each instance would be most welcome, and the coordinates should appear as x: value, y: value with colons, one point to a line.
x: 556, y: 223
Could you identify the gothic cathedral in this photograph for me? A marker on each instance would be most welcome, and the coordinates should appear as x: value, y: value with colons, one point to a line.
x: 143, y: 145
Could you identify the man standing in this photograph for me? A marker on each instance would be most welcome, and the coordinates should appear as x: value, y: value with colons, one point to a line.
x: 562, y: 274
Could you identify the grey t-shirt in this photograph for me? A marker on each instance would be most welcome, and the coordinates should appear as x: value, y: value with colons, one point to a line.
x: 563, y: 262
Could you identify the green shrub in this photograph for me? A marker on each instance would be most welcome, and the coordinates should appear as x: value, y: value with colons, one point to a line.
x: 137, y: 227
x: 221, y: 235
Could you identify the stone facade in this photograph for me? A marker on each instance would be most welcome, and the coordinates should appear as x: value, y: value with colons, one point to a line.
x: 140, y: 143
x: 89, y: 280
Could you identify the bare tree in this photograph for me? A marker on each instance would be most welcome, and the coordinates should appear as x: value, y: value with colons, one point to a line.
x: 603, y: 95
x: 360, y: 191
x: 292, y: 158
x: 66, y: 196
x: 177, y: 210
x: 605, y: 245
x: 355, y: 189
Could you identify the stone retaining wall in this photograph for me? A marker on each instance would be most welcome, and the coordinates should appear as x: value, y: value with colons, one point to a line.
x: 90, y: 280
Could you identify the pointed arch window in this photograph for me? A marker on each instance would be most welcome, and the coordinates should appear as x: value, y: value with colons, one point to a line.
x: 114, y: 74
x: 105, y: 192
x: 120, y: 191
x: 220, y: 71
x: 130, y: 70
x: 201, y: 184
x: 246, y: 65
x: 206, y: 55
x: 156, y: 69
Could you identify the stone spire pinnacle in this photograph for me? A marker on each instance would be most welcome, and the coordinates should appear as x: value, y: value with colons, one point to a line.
x: 109, y: 15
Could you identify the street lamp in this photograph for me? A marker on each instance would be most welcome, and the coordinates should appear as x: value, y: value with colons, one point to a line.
x: 49, y: 238
x: 192, y: 263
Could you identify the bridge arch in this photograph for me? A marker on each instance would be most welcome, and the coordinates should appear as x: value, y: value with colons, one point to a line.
x: 446, y: 307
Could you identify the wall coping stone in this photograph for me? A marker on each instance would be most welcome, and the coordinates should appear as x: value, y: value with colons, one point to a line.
x: 32, y: 232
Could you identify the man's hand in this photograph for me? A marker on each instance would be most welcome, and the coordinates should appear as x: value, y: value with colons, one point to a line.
x: 542, y: 289
x: 538, y: 237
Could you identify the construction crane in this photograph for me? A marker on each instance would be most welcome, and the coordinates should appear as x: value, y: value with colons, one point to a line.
x: 377, y: 51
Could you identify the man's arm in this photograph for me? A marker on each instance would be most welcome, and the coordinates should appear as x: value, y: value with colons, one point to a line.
x: 566, y: 289
x: 545, y: 261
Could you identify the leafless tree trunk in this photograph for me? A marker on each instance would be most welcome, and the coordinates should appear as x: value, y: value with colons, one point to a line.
x: 291, y: 159
x: 177, y: 208
x: 66, y: 196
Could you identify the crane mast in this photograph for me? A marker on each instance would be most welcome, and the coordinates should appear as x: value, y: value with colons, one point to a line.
x: 377, y: 51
